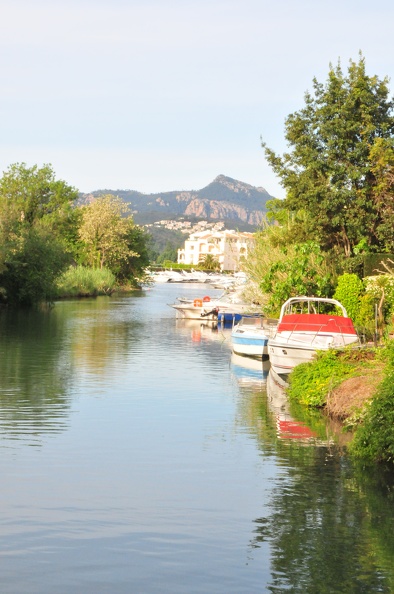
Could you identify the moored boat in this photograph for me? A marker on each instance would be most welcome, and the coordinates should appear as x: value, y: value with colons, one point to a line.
x: 209, y: 309
x: 305, y: 327
x: 250, y: 336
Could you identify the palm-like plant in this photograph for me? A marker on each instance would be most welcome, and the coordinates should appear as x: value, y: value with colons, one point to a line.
x: 208, y: 262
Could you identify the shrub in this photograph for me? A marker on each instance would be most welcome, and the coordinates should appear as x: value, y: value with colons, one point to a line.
x: 349, y: 290
x: 82, y: 282
x: 310, y: 383
x: 374, y: 439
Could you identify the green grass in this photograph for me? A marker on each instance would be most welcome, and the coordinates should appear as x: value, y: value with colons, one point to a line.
x: 79, y: 281
x: 310, y: 383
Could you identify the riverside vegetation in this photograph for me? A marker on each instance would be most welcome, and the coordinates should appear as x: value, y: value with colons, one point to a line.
x: 333, y: 237
x: 51, y: 246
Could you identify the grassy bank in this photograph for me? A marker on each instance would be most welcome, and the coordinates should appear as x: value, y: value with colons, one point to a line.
x: 79, y: 281
x: 357, y: 388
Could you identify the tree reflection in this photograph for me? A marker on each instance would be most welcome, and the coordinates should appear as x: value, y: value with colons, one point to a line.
x: 34, y: 375
x: 330, y: 526
x: 319, y: 530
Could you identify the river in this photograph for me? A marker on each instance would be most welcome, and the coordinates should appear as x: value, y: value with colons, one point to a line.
x: 138, y: 456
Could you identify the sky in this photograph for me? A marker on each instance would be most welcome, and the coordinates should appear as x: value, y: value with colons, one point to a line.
x: 154, y: 95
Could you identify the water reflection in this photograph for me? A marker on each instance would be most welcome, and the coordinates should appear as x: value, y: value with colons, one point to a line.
x: 34, y: 374
x: 320, y: 536
x: 249, y: 371
x: 203, y: 331
x: 328, y: 527
x: 101, y: 332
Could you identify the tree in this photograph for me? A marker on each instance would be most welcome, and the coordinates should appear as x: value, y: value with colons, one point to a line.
x: 138, y: 241
x: 209, y: 262
x: 32, y: 194
x: 38, y: 224
x: 111, y: 239
x: 33, y: 262
x: 340, y: 147
x: 301, y: 270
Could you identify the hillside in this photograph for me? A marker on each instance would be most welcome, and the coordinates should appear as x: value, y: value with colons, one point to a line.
x: 237, y: 204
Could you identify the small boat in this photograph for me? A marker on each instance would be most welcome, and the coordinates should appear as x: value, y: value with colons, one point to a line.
x: 250, y: 336
x: 305, y: 327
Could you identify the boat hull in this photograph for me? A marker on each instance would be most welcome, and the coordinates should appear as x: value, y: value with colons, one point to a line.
x: 285, y: 354
x: 249, y: 345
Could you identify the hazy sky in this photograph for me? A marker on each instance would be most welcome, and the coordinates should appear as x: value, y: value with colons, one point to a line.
x: 156, y: 95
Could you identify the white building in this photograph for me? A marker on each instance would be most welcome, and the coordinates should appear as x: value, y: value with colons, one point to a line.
x: 229, y: 248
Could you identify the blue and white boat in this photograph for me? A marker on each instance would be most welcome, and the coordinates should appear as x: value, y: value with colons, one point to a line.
x: 250, y: 336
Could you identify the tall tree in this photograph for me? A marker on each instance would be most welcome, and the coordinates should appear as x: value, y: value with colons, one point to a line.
x: 38, y: 226
x: 331, y: 171
x: 111, y: 238
x: 32, y: 194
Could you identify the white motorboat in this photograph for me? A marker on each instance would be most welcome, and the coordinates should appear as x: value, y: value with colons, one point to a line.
x: 305, y: 327
x: 167, y: 276
x: 250, y: 336
x: 209, y: 309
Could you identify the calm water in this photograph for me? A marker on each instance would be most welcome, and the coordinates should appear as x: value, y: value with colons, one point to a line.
x: 138, y: 456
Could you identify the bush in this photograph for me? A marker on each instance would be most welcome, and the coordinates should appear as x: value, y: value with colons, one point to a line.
x: 374, y: 439
x: 32, y: 264
x: 365, y: 320
x: 83, y: 282
x: 310, y: 383
x: 349, y: 290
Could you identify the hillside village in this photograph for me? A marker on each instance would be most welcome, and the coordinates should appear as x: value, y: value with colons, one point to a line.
x: 186, y: 227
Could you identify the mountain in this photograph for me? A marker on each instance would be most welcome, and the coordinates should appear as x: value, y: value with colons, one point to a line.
x: 237, y: 204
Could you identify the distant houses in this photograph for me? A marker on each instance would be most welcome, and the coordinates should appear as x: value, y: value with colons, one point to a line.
x: 229, y: 248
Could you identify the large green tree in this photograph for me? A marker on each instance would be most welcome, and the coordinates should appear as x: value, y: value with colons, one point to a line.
x: 340, y: 150
x: 38, y: 227
x: 110, y: 238
x: 29, y: 195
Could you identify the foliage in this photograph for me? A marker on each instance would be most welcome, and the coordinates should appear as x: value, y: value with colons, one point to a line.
x: 348, y: 291
x: 208, y: 262
x: 169, y: 253
x: 133, y: 267
x: 365, y: 320
x: 374, y: 439
x: 373, y: 262
x: 340, y: 149
x: 310, y: 383
x: 112, y: 240
x: 29, y: 195
x: 79, y: 281
x: 34, y: 260
x: 380, y: 291
x: 38, y: 226
x: 303, y: 270
x: 163, y: 239
x: 103, y: 231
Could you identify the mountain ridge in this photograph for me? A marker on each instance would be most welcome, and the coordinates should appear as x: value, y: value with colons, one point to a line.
x: 224, y: 199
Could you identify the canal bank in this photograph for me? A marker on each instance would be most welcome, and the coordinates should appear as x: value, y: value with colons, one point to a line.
x: 355, y: 387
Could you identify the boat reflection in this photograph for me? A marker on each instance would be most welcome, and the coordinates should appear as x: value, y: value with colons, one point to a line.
x: 203, y: 331
x: 249, y: 371
x: 287, y: 427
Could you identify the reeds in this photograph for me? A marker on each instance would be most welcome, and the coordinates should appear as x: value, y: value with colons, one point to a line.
x: 79, y: 281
